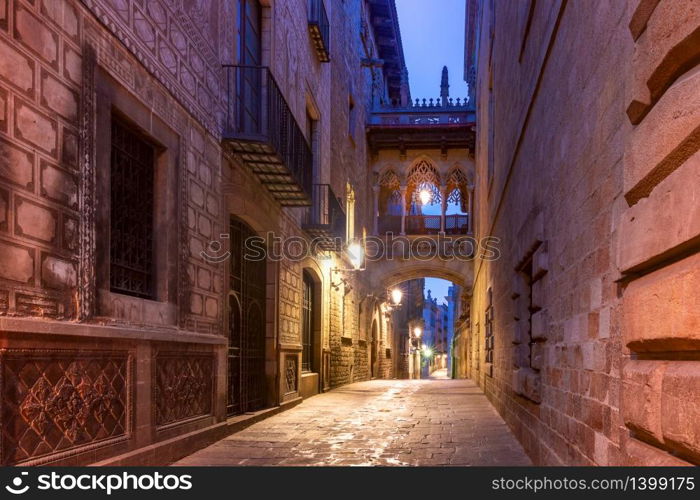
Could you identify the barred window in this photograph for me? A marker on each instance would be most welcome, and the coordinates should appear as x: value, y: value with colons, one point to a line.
x: 489, y: 334
x: 131, y: 212
x: 307, y: 326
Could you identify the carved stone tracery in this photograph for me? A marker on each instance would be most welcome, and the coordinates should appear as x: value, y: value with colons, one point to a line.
x: 57, y: 400
x: 87, y: 203
x: 183, y: 386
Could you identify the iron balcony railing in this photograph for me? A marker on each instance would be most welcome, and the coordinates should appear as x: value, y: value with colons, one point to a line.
x: 423, y: 224
x: 457, y: 224
x: 325, y: 218
x: 389, y: 224
x: 320, y: 29
x: 260, y: 127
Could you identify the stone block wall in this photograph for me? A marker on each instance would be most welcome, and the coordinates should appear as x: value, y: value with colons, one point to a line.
x: 658, y: 235
x: 158, y: 66
x: 39, y: 87
x: 65, y: 67
x: 590, y: 141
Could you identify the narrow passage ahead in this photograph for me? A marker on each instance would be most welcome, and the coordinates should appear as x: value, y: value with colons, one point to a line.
x: 380, y: 422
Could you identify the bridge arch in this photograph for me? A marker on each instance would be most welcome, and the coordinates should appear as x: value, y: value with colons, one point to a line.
x: 386, y: 274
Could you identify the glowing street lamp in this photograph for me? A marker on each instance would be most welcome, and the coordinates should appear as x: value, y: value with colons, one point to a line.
x: 427, y: 351
x: 355, y: 254
x: 396, y: 295
x: 424, y: 196
x: 417, y: 332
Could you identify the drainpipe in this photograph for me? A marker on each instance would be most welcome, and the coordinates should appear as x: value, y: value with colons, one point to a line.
x: 470, y: 225
x: 443, y: 210
x: 375, y: 189
x: 403, y: 210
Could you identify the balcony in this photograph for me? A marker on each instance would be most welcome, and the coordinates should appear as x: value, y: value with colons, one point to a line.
x: 389, y: 224
x: 319, y: 28
x: 422, y: 224
x: 261, y: 129
x: 325, y: 218
x: 456, y: 224
x: 425, y: 112
x: 422, y: 124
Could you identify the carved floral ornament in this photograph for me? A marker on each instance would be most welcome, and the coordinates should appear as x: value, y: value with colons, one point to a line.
x: 424, y: 176
x: 423, y: 172
x: 69, y: 404
x: 57, y: 400
x: 182, y: 386
x: 291, y: 374
x: 390, y: 180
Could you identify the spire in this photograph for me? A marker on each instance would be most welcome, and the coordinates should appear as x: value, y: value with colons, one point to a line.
x: 444, y: 86
x: 405, y: 89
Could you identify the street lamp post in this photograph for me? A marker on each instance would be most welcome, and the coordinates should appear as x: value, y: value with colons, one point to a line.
x: 415, y: 335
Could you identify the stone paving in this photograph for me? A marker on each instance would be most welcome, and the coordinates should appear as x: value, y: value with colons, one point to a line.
x: 380, y: 422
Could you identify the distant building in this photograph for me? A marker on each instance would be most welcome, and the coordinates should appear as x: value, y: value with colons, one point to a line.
x: 403, y: 320
x: 453, y: 302
x: 435, y: 319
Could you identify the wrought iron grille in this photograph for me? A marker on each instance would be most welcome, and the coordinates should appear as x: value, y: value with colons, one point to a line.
x: 389, y: 224
x: 489, y: 333
x: 422, y: 224
x: 261, y: 127
x: 246, y: 353
x: 325, y: 216
x: 131, y: 212
x: 457, y: 224
x: 307, y: 325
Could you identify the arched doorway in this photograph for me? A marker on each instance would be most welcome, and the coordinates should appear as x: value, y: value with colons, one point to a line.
x: 246, y: 328
x: 311, y: 333
x: 307, y: 325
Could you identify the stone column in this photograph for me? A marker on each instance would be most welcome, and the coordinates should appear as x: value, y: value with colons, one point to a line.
x: 403, y: 209
x: 404, y: 89
x: 470, y: 227
x: 443, y: 208
x: 375, y: 190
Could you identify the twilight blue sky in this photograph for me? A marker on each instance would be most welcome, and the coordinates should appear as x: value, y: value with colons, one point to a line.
x: 438, y: 288
x: 432, y: 32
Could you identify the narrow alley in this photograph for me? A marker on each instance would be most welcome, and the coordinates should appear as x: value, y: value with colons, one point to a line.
x: 402, y: 232
x: 380, y: 422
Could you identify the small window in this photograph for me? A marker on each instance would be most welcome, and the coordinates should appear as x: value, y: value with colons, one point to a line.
x: 312, y: 136
x: 131, y: 212
x: 350, y: 213
x: 489, y: 334
x: 307, y: 327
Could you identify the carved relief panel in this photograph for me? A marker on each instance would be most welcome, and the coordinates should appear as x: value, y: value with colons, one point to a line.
x: 58, y: 401
x: 183, y: 386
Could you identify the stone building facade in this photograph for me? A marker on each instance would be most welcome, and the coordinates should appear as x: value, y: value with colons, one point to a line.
x: 435, y: 334
x: 584, y: 332
x: 127, y: 333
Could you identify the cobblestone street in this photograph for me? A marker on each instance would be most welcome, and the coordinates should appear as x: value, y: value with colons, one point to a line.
x: 381, y: 422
